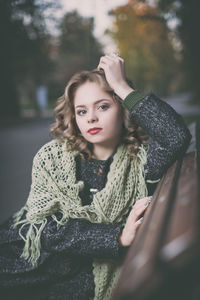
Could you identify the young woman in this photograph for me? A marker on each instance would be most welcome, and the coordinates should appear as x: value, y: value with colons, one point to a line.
x: 90, y: 188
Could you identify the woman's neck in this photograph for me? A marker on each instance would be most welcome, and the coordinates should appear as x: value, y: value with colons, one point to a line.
x: 103, y: 152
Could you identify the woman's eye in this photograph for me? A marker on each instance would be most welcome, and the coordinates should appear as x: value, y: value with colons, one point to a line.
x: 104, y: 106
x: 81, y: 112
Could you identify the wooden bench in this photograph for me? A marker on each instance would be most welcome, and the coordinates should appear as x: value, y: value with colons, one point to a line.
x: 164, y: 260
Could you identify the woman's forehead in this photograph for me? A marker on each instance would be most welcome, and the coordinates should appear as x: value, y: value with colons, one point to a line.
x: 90, y: 92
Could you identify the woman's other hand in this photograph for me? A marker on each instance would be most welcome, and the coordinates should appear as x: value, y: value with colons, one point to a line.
x: 114, y: 68
x: 134, y: 221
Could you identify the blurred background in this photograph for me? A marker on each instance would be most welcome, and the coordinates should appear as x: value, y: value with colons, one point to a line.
x: 43, y: 43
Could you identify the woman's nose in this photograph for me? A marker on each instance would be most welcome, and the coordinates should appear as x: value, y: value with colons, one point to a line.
x: 92, y: 117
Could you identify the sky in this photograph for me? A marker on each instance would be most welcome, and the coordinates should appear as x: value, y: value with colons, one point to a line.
x: 99, y: 10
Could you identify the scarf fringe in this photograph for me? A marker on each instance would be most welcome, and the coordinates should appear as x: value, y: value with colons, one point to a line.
x: 18, y: 215
x: 142, y: 187
x: 32, y: 246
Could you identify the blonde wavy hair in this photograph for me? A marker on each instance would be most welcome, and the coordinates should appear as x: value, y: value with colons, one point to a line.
x: 65, y: 126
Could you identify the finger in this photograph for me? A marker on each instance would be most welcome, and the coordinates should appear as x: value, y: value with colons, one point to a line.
x: 110, y: 57
x: 144, y: 201
x: 148, y: 201
x: 102, y: 65
x: 105, y: 58
x: 114, y: 54
x: 139, y: 211
x: 117, y: 56
x: 101, y: 60
x: 138, y: 223
x: 107, y: 61
x: 141, y: 202
x: 110, y: 60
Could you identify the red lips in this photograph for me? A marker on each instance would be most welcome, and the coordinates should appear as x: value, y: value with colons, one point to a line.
x: 94, y: 130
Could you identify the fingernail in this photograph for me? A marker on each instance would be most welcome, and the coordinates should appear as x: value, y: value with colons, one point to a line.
x: 141, y: 219
x: 150, y: 198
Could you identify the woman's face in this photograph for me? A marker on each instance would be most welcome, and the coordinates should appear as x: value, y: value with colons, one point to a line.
x: 98, y: 117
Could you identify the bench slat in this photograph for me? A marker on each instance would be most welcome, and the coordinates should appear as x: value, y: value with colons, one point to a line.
x: 182, y: 232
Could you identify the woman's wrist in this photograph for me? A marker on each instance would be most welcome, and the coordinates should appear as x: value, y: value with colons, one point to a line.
x: 123, y: 90
x: 120, y: 237
x: 124, y: 239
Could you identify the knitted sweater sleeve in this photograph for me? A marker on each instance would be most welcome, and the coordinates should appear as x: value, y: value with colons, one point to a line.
x: 79, y: 237
x: 168, y: 135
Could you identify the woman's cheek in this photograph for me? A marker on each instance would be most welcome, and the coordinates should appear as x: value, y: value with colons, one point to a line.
x: 80, y: 125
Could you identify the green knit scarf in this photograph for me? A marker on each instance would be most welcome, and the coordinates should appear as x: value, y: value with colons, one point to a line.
x: 55, y: 188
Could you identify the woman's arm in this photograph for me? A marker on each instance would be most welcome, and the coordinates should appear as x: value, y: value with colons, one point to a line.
x: 169, y: 136
x: 63, y: 250
x: 79, y: 237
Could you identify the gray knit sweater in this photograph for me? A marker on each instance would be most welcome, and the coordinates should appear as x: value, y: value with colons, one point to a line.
x: 64, y: 270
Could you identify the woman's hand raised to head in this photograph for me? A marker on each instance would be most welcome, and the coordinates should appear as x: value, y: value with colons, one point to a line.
x: 134, y: 221
x: 114, y: 68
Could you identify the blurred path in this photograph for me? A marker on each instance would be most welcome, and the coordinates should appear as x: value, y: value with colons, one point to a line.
x: 19, y: 144
x: 181, y: 103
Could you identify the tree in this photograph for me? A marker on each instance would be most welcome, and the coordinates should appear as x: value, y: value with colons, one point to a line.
x: 23, y: 51
x: 187, y: 31
x: 78, y: 49
x: 142, y: 39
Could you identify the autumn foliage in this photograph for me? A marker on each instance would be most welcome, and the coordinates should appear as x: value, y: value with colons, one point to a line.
x: 142, y: 38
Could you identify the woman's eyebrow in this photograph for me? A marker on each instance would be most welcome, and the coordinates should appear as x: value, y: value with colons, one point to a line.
x: 96, y: 102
